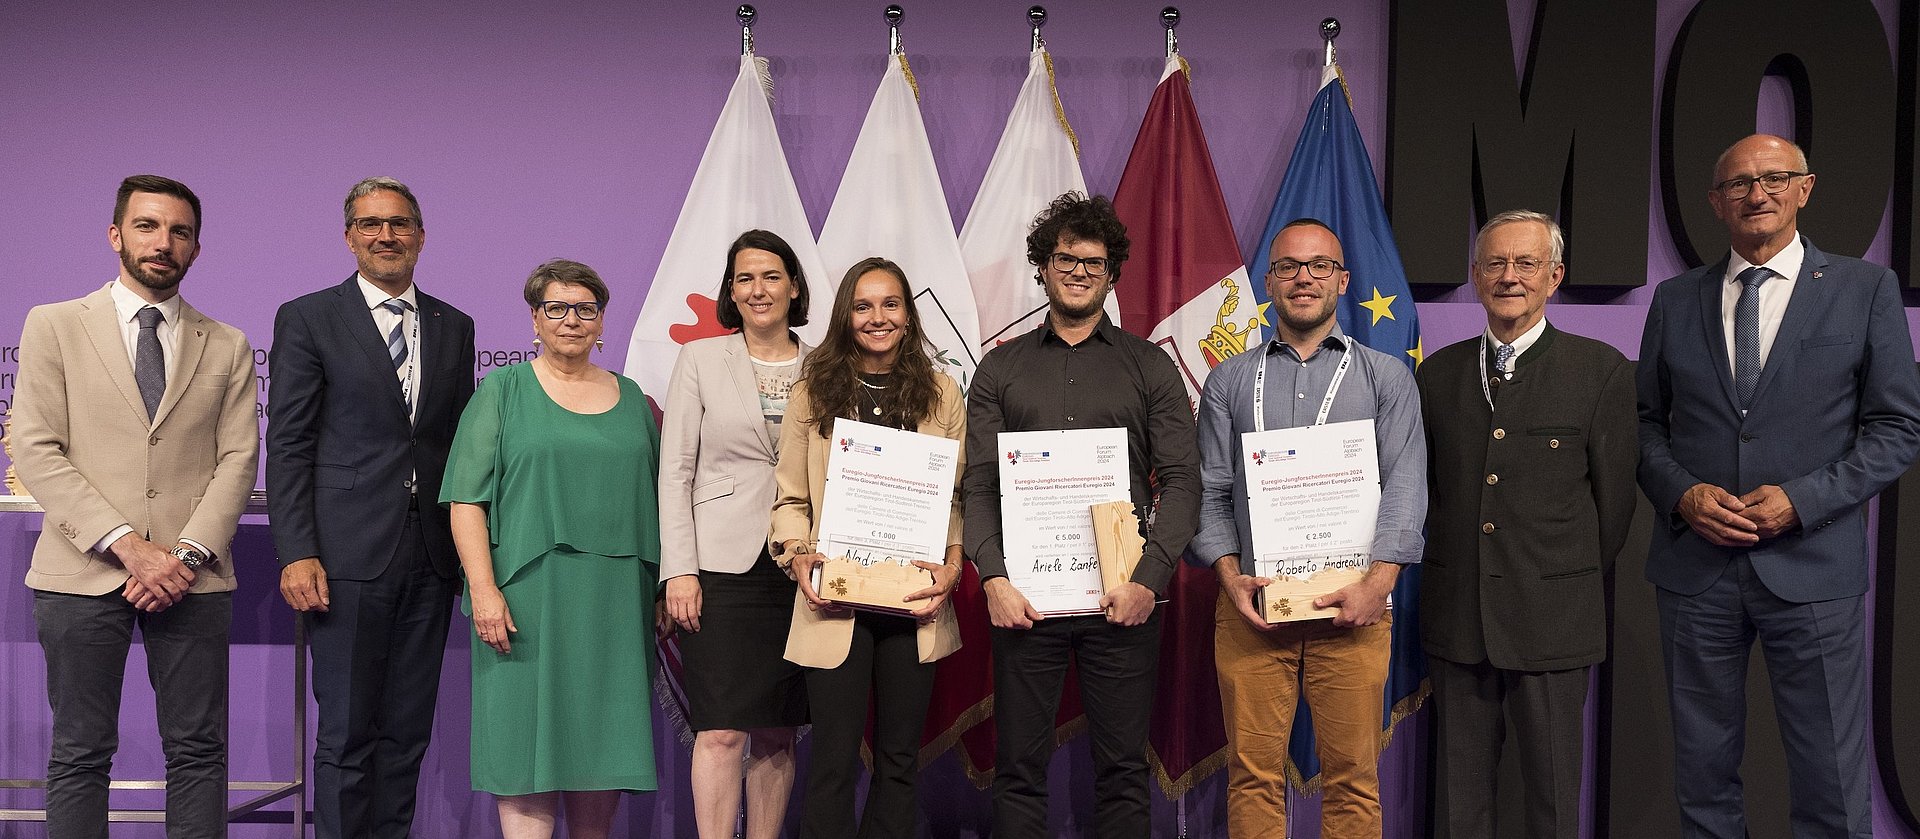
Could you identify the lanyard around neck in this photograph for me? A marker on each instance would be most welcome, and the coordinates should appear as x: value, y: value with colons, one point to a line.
x: 1326, y: 404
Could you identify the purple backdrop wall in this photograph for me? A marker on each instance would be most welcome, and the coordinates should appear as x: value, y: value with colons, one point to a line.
x: 531, y: 131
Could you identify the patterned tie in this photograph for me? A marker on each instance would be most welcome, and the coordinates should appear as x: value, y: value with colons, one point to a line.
x: 149, y: 366
x: 1746, y: 334
x: 397, y: 346
x: 1503, y: 360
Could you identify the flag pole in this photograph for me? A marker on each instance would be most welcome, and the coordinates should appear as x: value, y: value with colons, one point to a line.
x: 1170, y: 18
x: 745, y: 15
x: 894, y: 14
x: 1036, y: 18
x: 1329, y: 30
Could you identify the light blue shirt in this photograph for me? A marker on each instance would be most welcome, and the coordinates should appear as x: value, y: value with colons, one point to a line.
x: 1377, y: 386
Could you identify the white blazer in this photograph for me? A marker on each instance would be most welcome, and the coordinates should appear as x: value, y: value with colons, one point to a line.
x: 716, y: 461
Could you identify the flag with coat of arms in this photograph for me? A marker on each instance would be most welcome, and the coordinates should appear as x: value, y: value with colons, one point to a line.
x: 1186, y: 289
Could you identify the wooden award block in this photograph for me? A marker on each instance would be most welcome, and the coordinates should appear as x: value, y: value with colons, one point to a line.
x: 1117, y: 542
x: 880, y: 587
x: 1286, y: 600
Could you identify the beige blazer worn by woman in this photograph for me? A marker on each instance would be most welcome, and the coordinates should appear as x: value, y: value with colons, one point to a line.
x: 716, y: 460
x: 818, y: 639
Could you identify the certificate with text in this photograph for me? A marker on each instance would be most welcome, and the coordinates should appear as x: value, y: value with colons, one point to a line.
x: 1049, y: 481
x: 888, y: 495
x: 1313, y: 494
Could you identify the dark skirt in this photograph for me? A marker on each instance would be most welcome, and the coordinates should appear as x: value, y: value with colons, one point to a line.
x: 735, y: 671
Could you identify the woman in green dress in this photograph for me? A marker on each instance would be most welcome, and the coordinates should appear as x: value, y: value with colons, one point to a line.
x: 551, y: 487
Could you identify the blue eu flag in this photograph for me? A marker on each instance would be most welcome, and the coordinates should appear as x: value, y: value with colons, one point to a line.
x: 1331, y: 179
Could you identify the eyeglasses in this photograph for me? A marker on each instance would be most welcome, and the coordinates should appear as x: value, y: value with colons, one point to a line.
x: 1065, y: 263
x: 1773, y: 182
x: 1525, y: 267
x: 557, y: 310
x: 370, y: 225
x: 1319, y: 269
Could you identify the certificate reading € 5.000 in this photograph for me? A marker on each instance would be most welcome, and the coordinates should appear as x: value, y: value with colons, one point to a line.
x: 1049, y: 481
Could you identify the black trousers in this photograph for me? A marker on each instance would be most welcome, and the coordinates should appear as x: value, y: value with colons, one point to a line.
x: 376, y: 675
x: 1476, y: 707
x: 1117, y: 669
x: 85, y: 640
x: 884, y: 659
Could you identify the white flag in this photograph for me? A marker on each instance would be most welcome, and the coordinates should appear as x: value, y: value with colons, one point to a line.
x: 1037, y: 161
x: 890, y: 204
x: 743, y: 183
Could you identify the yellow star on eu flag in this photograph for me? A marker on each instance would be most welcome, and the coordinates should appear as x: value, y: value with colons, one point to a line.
x: 1381, y: 307
x: 1419, y: 351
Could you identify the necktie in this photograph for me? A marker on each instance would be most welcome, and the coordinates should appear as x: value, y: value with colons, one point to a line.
x: 1503, y: 360
x: 1746, y: 334
x: 149, y: 366
x: 397, y: 346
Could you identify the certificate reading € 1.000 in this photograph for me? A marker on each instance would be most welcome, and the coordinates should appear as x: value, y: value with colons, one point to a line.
x: 1313, y: 494
x: 1049, y: 481
x: 887, y: 501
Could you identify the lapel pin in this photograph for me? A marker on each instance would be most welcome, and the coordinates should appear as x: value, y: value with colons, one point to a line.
x: 1816, y: 275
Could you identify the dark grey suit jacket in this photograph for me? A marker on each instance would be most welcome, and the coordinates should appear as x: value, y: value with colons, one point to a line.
x: 340, y: 451
x: 1551, y: 467
x: 1836, y: 419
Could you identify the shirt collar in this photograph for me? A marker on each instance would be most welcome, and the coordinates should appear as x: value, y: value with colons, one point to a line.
x: 375, y: 296
x: 1337, y: 339
x: 1785, y: 264
x: 126, y: 304
x: 1104, y: 330
x: 1524, y: 342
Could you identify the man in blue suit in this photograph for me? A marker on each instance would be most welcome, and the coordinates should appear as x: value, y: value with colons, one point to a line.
x: 368, y: 379
x: 1777, y: 394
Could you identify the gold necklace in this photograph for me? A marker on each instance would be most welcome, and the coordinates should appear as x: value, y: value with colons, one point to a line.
x: 868, y: 389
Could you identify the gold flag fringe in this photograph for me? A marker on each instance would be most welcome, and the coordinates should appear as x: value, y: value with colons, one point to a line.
x: 908, y: 70
x: 1059, y: 111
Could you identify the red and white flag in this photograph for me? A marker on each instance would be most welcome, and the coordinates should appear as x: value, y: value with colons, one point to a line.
x: 1185, y: 287
x: 742, y: 183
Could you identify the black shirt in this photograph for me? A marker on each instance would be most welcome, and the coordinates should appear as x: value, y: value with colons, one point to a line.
x: 1113, y: 379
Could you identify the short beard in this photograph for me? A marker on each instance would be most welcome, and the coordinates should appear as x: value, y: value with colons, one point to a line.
x: 1093, y: 307
x: 149, y: 279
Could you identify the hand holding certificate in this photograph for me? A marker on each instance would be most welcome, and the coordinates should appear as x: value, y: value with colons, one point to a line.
x: 1049, y: 482
x: 1313, y: 494
x: 884, y: 516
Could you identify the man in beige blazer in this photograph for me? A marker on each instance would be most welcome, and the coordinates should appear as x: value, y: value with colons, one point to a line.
x: 134, y: 427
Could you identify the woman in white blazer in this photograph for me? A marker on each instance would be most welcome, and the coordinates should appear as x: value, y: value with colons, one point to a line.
x: 719, y: 444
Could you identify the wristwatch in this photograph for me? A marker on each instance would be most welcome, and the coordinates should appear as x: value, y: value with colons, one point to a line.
x: 189, y: 557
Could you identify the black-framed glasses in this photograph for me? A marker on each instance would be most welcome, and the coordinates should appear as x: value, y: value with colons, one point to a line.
x: 1773, y: 183
x: 1319, y: 269
x: 370, y: 225
x: 1525, y: 267
x: 558, y: 309
x: 1065, y: 263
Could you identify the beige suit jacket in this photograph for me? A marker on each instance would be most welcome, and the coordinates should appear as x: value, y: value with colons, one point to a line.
x: 716, y: 461
x: 816, y: 639
x: 82, y: 444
